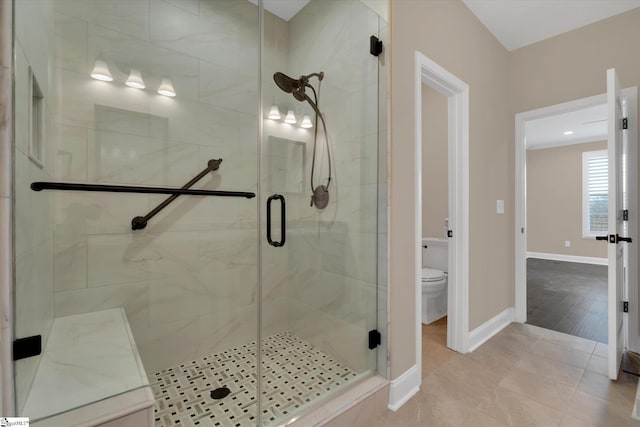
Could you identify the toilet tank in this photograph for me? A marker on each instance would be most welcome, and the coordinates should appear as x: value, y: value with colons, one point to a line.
x: 435, y: 253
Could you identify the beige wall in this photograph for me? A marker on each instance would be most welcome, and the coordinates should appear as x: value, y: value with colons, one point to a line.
x: 554, y: 201
x: 448, y: 33
x: 563, y: 68
x: 435, y: 197
x: 573, y: 65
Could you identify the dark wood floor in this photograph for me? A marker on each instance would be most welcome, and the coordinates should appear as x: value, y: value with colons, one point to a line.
x: 568, y: 297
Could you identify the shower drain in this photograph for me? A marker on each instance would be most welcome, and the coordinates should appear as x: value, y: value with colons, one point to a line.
x: 220, y: 393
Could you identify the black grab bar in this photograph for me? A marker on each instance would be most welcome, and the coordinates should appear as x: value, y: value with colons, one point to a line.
x: 140, y: 222
x: 68, y: 186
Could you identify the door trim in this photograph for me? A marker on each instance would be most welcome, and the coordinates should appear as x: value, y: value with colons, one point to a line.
x: 633, y: 338
x: 521, y: 208
x: 457, y: 91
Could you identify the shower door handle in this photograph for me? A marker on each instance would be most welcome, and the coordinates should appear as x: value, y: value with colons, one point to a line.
x: 283, y: 220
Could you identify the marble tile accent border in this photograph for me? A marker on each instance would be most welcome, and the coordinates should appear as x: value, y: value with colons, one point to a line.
x: 123, y: 410
x: 369, y: 398
x: 358, y: 406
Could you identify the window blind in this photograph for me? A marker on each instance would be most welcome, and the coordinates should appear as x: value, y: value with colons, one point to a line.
x: 598, y: 193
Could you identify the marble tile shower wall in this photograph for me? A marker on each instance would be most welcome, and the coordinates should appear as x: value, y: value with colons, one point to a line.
x: 333, y: 253
x: 33, y: 212
x: 188, y: 281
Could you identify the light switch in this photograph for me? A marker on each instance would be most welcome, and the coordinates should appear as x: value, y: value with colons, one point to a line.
x: 500, y: 206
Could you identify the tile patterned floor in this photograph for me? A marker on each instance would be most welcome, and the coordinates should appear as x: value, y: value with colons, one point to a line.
x: 295, y: 374
x: 524, y: 376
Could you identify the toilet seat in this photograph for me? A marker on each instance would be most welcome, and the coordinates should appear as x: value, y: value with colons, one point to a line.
x: 431, y: 275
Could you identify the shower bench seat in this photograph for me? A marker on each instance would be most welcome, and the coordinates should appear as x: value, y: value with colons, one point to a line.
x: 90, y: 374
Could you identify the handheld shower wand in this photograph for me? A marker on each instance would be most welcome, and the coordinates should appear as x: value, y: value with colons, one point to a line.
x: 297, y: 87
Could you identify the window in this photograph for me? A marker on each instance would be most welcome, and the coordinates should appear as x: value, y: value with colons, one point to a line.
x: 595, y: 193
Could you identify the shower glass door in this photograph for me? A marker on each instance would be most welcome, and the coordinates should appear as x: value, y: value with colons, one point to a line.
x: 137, y: 93
x: 233, y: 300
x: 318, y: 255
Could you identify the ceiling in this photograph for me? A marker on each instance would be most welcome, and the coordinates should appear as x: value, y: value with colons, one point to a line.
x: 284, y: 9
x: 523, y: 22
x: 514, y: 23
x: 520, y: 23
x: 587, y: 125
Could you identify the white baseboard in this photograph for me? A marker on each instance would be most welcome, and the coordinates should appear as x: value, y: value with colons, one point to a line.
x: 568, y: 258
x: 404, y: 387
x: 488, y: 329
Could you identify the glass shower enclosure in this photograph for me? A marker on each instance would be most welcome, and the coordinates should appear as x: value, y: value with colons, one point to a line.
x: 166, y: 237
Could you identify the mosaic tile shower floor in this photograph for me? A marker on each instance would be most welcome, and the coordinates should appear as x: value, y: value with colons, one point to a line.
x: 294, y: 373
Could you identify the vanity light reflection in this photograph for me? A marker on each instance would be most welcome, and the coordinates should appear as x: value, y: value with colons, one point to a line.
x: 166, y: 88
x: 290, y: 118
x: 101, y: 71
x: 135, y: 80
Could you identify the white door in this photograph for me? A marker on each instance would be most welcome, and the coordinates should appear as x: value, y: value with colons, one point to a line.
x: 616, y: 247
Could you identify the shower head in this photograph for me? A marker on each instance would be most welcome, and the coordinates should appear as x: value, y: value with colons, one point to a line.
x: 286, y: 83
x: 296, y: 87
x: 289, y: 84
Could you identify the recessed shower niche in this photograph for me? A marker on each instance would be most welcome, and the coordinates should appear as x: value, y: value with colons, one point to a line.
x: 287, y: 165
x: 201, y: 299
x: 130, y: 147
x: 36, y: 120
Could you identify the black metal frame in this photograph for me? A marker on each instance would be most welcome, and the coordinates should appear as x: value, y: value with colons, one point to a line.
x: 140, y: 222
x: 27, y: 347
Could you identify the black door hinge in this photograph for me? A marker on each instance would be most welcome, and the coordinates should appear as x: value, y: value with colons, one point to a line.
x: 449, y: 233
x: 625, y: 215
x: 625, y: 306
x: 625, y: 123
x: 375, y: 339
x: 375, y: 46
x: 27, y: 347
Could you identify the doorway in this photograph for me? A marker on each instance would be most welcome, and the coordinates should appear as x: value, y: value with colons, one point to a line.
x: 431, y: 75
x: 567, y: 204
x: 523, y: 226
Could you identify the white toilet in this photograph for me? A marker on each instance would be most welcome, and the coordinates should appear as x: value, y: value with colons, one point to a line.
x: 435, y: 263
